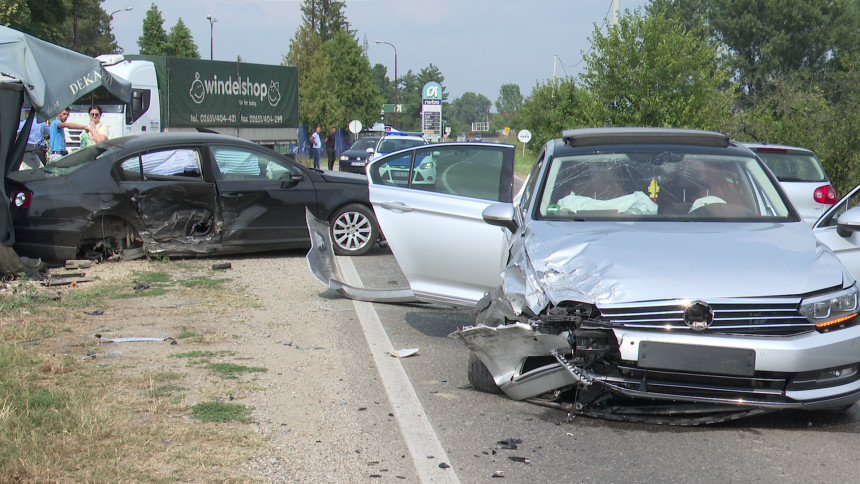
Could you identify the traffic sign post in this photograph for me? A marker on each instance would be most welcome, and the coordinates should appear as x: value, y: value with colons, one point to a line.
x: 389, y: 108
x: 524, y: 136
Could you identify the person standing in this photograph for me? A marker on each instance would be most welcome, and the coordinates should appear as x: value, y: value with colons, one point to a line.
x: 329, y: 148
x: 35, y: 153
x: 98, y: 131
x: 58, y: 134
x: 315, y: 137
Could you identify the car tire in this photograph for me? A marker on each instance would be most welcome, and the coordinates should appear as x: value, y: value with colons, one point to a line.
x: 480, y: 377
x: 354, y: 230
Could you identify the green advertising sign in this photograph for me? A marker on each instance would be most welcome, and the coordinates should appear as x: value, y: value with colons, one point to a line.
x: 202, y: 93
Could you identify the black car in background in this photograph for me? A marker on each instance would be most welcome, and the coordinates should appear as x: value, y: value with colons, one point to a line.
x: 354, y: 160
x: 183, y: 194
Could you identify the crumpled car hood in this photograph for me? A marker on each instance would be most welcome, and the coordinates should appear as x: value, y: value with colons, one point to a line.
x: 618, y: 262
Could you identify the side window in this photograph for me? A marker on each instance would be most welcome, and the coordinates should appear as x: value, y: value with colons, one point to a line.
x: 394, y: 171
x: 531, y: 182
x: 243, y: 164
x: 468, y: 172
x: 155, y: 165
x: 832, y: 220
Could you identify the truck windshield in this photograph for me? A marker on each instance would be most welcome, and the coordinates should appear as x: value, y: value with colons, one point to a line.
x: 106, y: 108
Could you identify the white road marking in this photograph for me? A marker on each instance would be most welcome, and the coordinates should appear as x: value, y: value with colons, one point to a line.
x: 414, y: 424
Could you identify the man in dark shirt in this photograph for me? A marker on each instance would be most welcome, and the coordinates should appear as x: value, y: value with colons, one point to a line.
x: 329, y: 148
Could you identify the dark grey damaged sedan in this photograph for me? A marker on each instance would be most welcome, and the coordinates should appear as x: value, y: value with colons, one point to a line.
x: 183, y: 194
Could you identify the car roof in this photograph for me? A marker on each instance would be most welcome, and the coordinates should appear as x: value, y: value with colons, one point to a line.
x: 755, y: 146
x: 143, y: 141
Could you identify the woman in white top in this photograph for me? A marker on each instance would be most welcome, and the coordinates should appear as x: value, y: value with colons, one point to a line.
x: 98, y: 131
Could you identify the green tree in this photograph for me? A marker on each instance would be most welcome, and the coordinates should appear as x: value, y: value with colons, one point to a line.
x: 507, y: 104
x: 555, y: 105
x: 40, y: 18
x: 325, y: 17
x: 470, y: 108
x: 317, y: 87
x: 650, y: 71
x: 180, y: 43
x: 383, y: 83
x: 153, y: 41
x: 94, y: 31
x: 353, y: 79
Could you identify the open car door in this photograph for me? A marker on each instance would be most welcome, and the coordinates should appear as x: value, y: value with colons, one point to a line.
x: 844, y: 241
x: 431, y: 217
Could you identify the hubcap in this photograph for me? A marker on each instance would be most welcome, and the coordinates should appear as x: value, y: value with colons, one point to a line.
x: 352, y: 231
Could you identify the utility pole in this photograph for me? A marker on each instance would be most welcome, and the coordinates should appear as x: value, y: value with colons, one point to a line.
x: 554, y: 64
x: 616, y: 7
x: 75, y: 16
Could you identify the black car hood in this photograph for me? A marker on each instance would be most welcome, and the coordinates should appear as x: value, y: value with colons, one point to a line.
x: 355, y: 154
x: 344, y: 177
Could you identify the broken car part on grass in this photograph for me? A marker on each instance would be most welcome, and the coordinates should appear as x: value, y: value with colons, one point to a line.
x: 649, y: 275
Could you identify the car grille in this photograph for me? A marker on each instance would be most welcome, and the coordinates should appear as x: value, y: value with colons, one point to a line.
x: 764, y: 316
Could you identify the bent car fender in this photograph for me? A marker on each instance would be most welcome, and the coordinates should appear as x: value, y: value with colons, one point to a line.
x: 323, y: 266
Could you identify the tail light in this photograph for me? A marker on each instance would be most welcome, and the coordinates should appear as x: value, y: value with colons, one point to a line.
x: 21, y: 199
x: 825, y: 194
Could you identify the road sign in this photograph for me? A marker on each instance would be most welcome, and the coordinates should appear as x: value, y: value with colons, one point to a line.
x: 355, y: 126
x: 507, y: 130
x: 389, y: 108
x: 524, y: 136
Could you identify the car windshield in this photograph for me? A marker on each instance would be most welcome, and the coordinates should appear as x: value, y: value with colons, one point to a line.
x: 364, y: 143
x: 64, y: 165
x: 659, y: 185
x: 793, y: 166
x: 388, y: 145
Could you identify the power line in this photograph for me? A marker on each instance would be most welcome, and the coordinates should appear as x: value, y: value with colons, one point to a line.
x: 590, y: 47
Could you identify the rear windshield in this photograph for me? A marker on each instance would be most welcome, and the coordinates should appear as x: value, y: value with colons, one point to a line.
x: 660, y: 185
x: 64, y: 165
x: 389, y: 145
x: 793, y: 166
x: 364, y: 144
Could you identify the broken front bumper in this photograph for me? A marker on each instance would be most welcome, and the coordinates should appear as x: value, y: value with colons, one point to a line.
x: 810, y: 370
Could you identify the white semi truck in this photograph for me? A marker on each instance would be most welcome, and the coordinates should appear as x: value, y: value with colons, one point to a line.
x: 253, y: 101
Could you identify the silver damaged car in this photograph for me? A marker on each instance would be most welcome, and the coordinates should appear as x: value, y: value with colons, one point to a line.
x: 640, y: 274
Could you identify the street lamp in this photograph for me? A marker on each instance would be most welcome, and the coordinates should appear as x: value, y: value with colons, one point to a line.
x: 212, y: 20
x: 395, y: 79
x: 120, y: 10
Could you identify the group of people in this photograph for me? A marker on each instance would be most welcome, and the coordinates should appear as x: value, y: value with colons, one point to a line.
x: 38, y: 152
x: 329, y: 147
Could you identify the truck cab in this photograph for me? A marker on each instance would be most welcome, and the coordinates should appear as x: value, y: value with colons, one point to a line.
x: 142, y: 115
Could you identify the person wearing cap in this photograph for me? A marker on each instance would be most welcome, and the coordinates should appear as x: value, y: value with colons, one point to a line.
x: 58, y: 134
x: 35, y: 154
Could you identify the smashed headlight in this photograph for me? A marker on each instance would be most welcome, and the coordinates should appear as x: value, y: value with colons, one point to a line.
x: 831, y: 311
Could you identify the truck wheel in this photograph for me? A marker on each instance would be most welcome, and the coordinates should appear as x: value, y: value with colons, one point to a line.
x: 354, y: 230
x: 480, y: 377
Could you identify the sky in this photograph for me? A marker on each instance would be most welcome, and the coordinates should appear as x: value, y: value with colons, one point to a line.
x: 478, y: 45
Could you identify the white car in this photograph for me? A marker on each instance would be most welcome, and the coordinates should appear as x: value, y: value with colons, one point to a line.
x: 642, y: 274
x: 392, y: 142
x: 801, y: 176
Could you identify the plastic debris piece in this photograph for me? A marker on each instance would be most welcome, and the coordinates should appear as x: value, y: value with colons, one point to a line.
x: 78, y: 264
x: 303, y: 348
x: 520, y: 459
x: 375, y: 475
x: 134, y: 339
x: 140, y: 286
x: 362, y: 408
x: 342, y: 402
x: 510, y: 444
x: 63, y: 279
x: 443, y: 465
x: 287, y: 343
x: 404, y: 353
x: 498, y: 474
x: 97, y: 312
x: 31, y: 342
x: 222, y: 266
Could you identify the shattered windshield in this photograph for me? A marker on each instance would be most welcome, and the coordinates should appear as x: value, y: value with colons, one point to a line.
x: 659, y: 185
x: 64, y: 165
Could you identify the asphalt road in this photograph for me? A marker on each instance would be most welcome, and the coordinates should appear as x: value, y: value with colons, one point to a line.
x: 789, y: 446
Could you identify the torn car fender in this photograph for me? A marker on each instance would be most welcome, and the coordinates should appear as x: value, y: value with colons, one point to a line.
x: 323, y: 266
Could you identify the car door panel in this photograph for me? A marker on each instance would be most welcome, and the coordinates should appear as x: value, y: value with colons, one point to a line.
x: 259, y: 202
x: 174, y: 204
x: 847, y: 249
x: 436, y: 231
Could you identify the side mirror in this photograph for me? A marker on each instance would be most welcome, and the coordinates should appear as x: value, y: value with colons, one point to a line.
x: 848, y: 222
x: 296, y: 174
x: 501, y: 215
x: 370, y: 151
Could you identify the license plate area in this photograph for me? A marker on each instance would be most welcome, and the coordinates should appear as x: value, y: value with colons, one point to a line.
x: 697, y: 359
